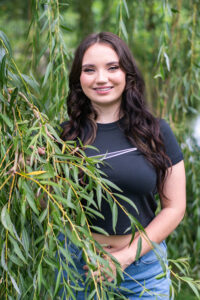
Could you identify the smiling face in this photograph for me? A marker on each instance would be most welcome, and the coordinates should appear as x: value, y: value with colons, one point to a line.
x: 102, y: 80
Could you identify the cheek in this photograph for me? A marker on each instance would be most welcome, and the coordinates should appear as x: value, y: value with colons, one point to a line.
x: 120, y: 80
x: 85, y: 81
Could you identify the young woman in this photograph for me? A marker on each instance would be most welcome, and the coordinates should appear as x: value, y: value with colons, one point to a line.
x: 107, y: 109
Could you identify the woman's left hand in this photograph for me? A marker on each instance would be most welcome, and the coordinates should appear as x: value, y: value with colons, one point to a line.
x: 120, y: 256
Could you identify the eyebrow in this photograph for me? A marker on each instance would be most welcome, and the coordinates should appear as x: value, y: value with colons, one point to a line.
x: 108, y: 64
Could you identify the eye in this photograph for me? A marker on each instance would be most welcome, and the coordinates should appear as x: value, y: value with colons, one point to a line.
x: 113, y: 68
x: 88, y: 70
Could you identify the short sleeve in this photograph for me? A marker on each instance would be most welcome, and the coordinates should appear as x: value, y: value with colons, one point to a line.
x: 172, y: 147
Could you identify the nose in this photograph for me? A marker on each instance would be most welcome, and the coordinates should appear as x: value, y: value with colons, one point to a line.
x: 101, y: 76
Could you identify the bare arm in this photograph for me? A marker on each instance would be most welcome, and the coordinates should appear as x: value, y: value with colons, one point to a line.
x: 171, y: 214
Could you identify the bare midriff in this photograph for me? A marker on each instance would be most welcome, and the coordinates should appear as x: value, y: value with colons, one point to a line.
x: 113, y: 243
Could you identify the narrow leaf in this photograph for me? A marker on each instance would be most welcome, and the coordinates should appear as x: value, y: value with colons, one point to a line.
x: 3, y: 262
x: 36, y: 173
x: 126, y: 8
x: 114, y: 216
x: 47, y: 73
x: 7, y: 121
x: 17, y: 250
x: 6, y: 221
x: 58, y: 281
x: 167, y: 60
x: 6, y: 42
x: 99, y: 195
x: 139, y: 248
x: 100, y: 230
x: 123, y: 27
x: 43, y: 215
x: 31, y: 202
x: 39, y: 272
x: 15, y: 285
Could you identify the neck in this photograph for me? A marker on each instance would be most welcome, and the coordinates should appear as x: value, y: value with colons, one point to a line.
x: 108, y: 114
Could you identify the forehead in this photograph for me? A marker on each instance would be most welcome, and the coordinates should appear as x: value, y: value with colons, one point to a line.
x: 98, y: 53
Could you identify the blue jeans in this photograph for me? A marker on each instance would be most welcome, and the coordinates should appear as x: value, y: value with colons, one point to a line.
x: 138, y: 275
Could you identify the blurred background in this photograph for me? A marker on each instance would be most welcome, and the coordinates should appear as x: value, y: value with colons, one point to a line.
x: 164, y: 37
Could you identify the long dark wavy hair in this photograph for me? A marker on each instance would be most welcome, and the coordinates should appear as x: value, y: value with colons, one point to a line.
x: 140, y: 127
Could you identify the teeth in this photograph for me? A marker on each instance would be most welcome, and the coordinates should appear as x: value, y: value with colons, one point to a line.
x: 105, y: 89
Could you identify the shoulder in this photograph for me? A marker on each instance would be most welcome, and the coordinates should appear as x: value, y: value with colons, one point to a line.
x: 165, y: 129
x: 164, y: 126
x: 172, y: 147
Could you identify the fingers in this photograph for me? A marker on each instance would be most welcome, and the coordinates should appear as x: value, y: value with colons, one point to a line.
x: 40, y: 150
x: 100, y: 274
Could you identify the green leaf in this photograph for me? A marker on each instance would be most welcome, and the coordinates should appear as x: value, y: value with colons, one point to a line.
x: 30, y: 197
x: 15, y: 260
x: 99, y: 194
x: 128, y: 201
x: 48, y: 70
x: 75, y: 173
x: 123, y: 27
x: 15, y: 284
x: 31, y: 202
x: 2, y: 53
x: 25, y: 241
x: 111, y: 184
x: 133, y: 235
x: 64, y: 201
x: 174, y: 10
x: 89, y: 198
x: 3, y: 262
x: 167, y: 60
x: 66, y: 28
x: 126, y: 8
x: 93, y: 211
x: 39, y: 273
x: 6, y: 42
x: 83, y: 219
x: 193, y: 287
x: 13, y: 97
x: 43, y: 215
x: 17, y: 250
x: 69, y: 195
x: 50, y: 262
x: 139, y: 248
x: 91, y: 295
x: 100, y: 230
x: 7, y: 121
x: 31, y: 82
x: 135, y: 222
x: 58, y: 281
x: 114, y: 216
x: 63, y: 4
x: 3, y: 70
x: 160, y: 276
x: 6, y: 221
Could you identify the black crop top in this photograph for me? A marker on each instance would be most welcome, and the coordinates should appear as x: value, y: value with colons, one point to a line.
x: 129, y: 170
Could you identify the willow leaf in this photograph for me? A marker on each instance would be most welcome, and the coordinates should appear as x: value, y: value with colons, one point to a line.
x: 6, y: 42
x: 139, y: 248
x: 15, y: 284
x: 17, y: 250
x: 114, y: 216
x: 6, y: 221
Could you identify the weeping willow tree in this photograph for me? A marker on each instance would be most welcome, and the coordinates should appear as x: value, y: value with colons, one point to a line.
x: 41, y: 192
